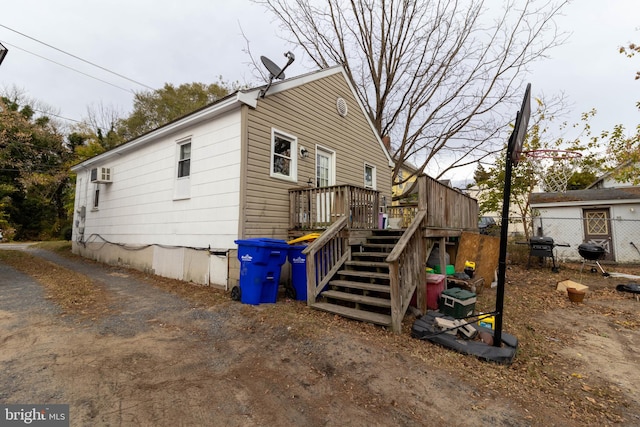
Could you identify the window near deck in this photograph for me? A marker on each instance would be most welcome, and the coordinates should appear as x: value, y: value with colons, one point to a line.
x: 283, y: 156
x: 96, y: 198
x: 184, y: 160
x: 369, y: 177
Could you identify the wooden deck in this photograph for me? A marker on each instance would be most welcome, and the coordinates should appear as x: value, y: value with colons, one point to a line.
x: 359, y: 272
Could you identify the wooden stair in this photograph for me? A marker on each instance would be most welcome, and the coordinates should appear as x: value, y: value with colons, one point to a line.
x: 360, y: 291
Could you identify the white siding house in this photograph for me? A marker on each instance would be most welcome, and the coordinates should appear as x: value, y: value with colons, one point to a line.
x: 172, y: 201
x: 609, y: 217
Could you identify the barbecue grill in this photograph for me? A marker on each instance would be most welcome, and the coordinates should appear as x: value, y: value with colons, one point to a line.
x: 592, y: 252
x: 542, y: 247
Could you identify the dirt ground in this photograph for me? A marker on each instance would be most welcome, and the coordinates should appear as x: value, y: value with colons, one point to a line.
x: 122, y: 348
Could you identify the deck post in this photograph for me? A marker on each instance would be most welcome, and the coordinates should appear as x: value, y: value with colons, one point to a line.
x: 396, y: 301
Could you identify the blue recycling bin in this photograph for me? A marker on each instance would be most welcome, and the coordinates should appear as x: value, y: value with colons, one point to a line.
x: 261, y: 261
x: 298, y: 262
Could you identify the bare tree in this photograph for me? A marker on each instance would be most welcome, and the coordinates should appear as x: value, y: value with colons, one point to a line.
x: 439, y: 77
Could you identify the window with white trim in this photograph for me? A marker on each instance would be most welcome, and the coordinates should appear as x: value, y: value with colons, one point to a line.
x: 283, y: 156
x: 184, y: 159
x: 96, y: 198
x: 182, y: 184
x: 369, y: 176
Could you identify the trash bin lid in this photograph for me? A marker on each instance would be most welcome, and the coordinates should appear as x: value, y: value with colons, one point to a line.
x: 262, y: 242
x: 306, y: 238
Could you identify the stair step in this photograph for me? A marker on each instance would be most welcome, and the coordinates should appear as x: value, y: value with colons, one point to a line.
x: 357, y: 298
x: 389, y: 246
x: 371, y: 264
x: 366, y: 274
x: 396, y: 233
x: 383, y: 239
x: 360, y: 285
x: 381, y: 255
x: 352, y: 313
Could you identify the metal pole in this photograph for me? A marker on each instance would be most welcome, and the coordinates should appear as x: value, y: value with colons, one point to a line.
x: 504, y: 228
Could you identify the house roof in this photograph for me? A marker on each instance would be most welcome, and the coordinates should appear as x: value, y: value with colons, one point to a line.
x: 609, y: 174
x: 589, y: 196
x: 230, y: 102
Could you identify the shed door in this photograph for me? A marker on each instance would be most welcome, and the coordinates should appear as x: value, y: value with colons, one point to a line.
x: 597, y: 230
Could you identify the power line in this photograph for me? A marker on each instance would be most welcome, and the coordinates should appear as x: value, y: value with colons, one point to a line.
x: 78, y: 58
x: 70, y: 68
x: 55, y: 115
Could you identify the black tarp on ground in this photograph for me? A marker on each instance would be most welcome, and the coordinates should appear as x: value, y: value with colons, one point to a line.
x: 425, y: 328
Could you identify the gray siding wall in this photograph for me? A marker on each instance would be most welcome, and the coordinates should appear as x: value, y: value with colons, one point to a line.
x: 310, y: 114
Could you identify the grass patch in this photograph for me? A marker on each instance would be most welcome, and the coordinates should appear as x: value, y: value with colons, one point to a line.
x: 57, y: 246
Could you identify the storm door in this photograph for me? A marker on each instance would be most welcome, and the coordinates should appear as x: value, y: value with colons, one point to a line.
x: 325, y: 177
x: 597, y: 230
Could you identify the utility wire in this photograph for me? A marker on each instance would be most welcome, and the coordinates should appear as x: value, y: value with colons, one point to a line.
x: 78, y: 58
x: 70, y: 68
x: 55, y: 115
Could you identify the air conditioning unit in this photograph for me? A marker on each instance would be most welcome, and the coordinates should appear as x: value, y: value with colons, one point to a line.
x: 101, y: 175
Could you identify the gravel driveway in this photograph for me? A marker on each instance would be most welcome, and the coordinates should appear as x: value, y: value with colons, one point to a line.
x: 155, y: 358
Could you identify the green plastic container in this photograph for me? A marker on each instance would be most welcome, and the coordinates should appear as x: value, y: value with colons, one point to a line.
x: 450, y: 269
x: 457, y: 303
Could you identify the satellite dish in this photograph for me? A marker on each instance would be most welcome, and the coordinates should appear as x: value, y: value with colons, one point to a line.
x: 274, y: 70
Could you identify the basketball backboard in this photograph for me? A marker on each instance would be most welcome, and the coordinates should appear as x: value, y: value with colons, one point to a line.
x: 520, y: 129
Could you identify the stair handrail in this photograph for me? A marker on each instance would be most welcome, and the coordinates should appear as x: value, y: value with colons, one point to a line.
x: 413, y: 270
x: 319, y: 274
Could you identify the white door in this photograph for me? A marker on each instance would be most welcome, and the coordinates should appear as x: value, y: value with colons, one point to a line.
x: 325, y: 177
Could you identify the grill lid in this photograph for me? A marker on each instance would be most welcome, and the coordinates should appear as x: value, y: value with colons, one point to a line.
x: 590, y: 251
x: 541, y: 240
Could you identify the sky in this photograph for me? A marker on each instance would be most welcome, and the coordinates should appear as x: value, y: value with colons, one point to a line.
x: 158, y: 41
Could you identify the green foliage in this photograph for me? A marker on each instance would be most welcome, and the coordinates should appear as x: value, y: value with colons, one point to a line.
x: 153, y: 109
x: 526, y: 177
x: 33, y: 173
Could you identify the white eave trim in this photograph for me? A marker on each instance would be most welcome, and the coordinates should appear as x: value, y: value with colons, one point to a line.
x: 582, y: 203
x: 210, y: 112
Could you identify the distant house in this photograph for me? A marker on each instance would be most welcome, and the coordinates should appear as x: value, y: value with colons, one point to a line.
x: 174, y: 200
x: 607, y: 213
x: 516, y: 228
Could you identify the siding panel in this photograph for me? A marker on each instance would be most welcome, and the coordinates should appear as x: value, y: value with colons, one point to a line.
x: 309, y: 113
x: 139, y: 206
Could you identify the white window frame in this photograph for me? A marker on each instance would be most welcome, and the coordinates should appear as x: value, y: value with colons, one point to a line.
x: 293, y: 157
x: 332, y: 165
x: 373, y: 176
x: 96, y: 198
x: 181, y: 160
x: 182, y: 186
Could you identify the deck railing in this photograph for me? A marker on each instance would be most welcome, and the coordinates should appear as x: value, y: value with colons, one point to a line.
x: 407, y: 270
x: 402, y: 215
x: 318, y: 208
x: 325, y: 256
x: 449, y: 211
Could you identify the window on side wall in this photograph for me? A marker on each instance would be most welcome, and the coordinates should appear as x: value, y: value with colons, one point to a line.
x: 96, y: 198
x: 369, y: 177
x: 184, y: 160
x: 283, y: 156
x: 183, y: 170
